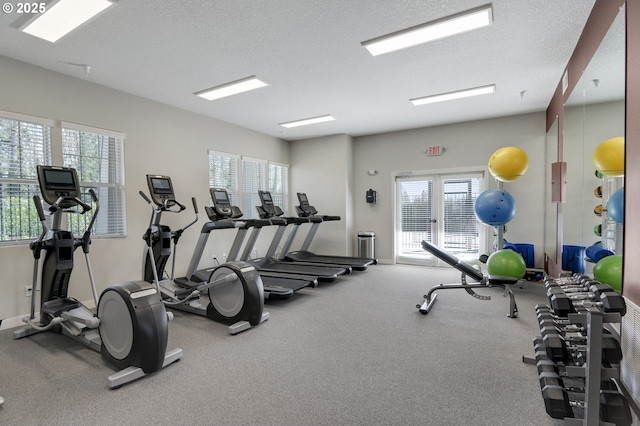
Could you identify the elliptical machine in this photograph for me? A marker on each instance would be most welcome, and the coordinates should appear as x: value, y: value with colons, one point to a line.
x: 130, y: 329
x: 235, y: 290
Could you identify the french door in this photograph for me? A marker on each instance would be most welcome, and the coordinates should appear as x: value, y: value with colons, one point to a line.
x: 438, y: 208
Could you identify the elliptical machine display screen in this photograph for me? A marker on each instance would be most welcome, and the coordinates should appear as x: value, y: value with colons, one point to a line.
x: 56, y: 182
x: 161, y: 189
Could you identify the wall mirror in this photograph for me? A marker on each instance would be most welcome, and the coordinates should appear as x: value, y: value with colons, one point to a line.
x: 594, y: 112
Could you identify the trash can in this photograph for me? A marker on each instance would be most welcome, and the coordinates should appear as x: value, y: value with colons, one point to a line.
x: 366, y: 244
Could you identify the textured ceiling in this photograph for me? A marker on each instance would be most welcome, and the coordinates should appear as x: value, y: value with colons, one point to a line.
x: 309, y: 53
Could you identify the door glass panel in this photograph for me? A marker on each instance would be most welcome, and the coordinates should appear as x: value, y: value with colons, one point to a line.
x: 461, y: 234
x: 415, y: 219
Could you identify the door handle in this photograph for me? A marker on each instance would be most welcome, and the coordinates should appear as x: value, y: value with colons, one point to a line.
x: 433, y: 221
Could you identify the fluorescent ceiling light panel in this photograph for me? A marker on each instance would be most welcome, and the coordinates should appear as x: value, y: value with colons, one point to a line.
x: 232, y: 88
x: 63, y: 17
x: 308, y: 121
x: 483, y: 90
x: 455, y: 24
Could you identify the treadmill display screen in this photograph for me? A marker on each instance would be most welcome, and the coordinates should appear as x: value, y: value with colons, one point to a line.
x: 303, y: 199
x: 266, y: 197
x: 161, y: 185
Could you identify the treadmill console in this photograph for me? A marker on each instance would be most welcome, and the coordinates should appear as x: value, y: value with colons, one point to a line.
x: 269, y: 209
x: 56, y: 182
x: 221, y: 202
x: 305, y: 209
x: 161, y: 190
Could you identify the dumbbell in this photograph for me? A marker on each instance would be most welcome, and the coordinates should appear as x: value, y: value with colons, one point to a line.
x: 573, y: 283
x: 590, y: 286
x: 558, y: 350
x: 614, y: 407
x: 544, y: 312
x: 609, y: 301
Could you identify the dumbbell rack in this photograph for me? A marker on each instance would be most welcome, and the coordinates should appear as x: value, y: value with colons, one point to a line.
x: 592, y: 319
x: 593, y: 372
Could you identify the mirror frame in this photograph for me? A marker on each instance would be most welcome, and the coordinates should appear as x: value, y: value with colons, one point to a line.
x: 631, y: 270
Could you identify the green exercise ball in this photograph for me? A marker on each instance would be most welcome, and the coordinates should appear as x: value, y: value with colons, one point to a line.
x: 507, y: 263
x: 608, y: 270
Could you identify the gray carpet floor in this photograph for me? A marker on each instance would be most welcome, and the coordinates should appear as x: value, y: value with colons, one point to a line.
x: 352, y: 352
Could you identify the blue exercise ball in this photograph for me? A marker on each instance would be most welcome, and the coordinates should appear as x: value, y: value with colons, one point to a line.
x: 495, y: 207
x: 615, y: 206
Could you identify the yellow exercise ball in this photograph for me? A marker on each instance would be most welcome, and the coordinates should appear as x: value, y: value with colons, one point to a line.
x: 608, y: 157
x: 508, y: 164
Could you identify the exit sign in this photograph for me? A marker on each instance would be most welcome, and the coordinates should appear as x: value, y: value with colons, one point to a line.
x: 434, y: 150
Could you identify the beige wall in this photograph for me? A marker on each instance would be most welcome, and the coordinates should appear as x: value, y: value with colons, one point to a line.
x: 323, y: 169
x: 160, y: 140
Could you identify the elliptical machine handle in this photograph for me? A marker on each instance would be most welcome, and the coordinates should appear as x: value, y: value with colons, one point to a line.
x: 144, y: 196
x: 38, y: 203
x: 85, y: 207
x: 86, y: 238
x: 94, y: 197
x: 36, y: 246
x: 180, y: 205
x: 195, y: 204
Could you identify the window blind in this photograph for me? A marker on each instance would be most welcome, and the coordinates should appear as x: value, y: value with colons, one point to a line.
x: 416, y: 210
x: 25, y: 142
x: 243, y: 177
x: 223, y: 173
x: 253, y: 180
x: 279, y: 185
x: 461, y: 231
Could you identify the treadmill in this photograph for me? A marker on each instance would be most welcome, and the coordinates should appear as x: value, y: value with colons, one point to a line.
x: 305, y: 210
x: 268, y: 264
x: 275, y: 287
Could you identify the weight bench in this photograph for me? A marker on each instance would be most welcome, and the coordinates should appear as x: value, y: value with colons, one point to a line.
x: 483, y: 281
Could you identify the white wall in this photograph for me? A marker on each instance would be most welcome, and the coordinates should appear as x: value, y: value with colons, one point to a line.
x: 323, y: 169
x: 160, y: 140
x: 467, y: 145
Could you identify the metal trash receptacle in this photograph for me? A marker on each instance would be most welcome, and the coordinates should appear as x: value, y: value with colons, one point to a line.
x: 366, y: 244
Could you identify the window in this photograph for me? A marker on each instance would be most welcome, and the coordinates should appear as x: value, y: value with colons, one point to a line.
x: 253, y: 180
x: 98, y: 157
x: 243, y: 177
x: 25, y: 142
x: 223, y: 173
x: 279, y: 185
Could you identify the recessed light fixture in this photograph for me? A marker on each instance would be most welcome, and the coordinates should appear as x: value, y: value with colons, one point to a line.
x: 232, y: 88
x: 483, y: 90
x: 454, y: 24
x: 307, y: 121
x: 64, y: 16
